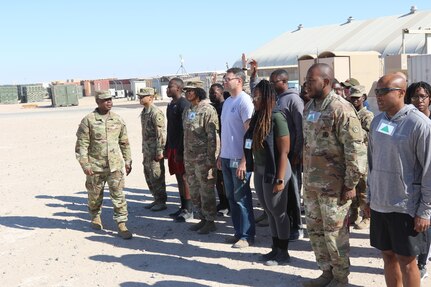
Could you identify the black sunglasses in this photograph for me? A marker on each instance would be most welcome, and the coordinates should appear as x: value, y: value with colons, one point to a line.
x: 384, y: 91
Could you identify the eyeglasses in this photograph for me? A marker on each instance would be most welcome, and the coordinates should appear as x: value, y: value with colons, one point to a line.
x: 229, y: 79
x: 415, y: 98
x: 384, y: 91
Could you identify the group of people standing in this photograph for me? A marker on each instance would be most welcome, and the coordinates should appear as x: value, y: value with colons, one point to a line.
x: 327, y: 146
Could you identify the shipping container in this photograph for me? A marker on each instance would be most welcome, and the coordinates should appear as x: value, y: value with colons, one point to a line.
x: 99, y: 85
x: 65, y: 95
x: 86, y: 85
x: 8, y: 94
x: 419, y: 68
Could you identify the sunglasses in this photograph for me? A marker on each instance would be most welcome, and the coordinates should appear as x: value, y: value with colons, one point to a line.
x: 384, y: 91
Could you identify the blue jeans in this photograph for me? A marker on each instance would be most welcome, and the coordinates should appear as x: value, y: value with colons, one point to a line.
x: 238, y: 193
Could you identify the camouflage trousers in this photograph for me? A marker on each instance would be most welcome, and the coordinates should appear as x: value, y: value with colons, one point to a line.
x: 360, y: 201
x: 201, y: 180
x: 327, y: 228
x: 154, y: 172
x: 95, y: 185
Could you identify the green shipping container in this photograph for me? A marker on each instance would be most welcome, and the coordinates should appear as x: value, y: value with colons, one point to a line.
x: 8, y: 94
x: 65, y: 95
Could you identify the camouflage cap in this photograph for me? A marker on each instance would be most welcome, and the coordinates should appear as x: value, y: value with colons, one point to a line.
x: 146, y: 92
x: 194, y: 84
x: 357, y: 91
x: 103, y: 95
x: 350, y: 82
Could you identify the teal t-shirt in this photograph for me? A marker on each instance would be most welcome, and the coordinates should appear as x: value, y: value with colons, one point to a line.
x: 280, y: 130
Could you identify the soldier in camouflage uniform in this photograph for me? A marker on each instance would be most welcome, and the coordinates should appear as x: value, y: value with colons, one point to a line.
x: 153, y: 143
x: 201, y: 147
x: 357, y: 98
x: 334, y: 160
x: 102, y: 147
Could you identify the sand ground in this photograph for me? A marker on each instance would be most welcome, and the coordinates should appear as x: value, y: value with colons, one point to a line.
x: 45, y: 234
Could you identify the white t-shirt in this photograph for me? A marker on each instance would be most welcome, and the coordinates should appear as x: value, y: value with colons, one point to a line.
x: 236, y: 111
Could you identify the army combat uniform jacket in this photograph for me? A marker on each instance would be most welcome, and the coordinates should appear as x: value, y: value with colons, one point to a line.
x: 153, y: 132
x: 102, y: 143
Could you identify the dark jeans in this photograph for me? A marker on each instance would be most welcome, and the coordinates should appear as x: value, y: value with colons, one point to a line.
x: 238, y: 193
x: 294, y: 197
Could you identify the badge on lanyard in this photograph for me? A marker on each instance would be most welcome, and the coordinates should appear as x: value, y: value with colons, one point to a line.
x: 248, y: 143
x: 192, y: 115
x: 313, y: 116
x: 234, y: 163
x: 386, y: 127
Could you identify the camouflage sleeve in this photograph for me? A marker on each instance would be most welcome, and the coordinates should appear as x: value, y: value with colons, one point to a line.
x: 349, y: 133
x: 159, y: 123
x: 82, y: 144
x: 123, y: 141
x: 366, y: 124
x: 211, y: 128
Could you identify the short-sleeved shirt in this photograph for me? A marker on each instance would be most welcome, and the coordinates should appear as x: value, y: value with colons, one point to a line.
x: 280, y: 129
x: 236, y: 111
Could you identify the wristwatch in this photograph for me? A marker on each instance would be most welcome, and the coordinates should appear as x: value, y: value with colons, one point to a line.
x: 279, y: 181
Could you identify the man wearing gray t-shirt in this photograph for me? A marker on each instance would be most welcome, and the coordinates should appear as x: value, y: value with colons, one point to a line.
x: 235, y: 117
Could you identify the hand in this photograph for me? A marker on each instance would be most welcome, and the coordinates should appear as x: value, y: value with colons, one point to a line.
x: 278, y: 187
x: 219, y: 163
x: 158, y: 157
x: 348, y: 193
x: 421, y: 224
x: 367, y: 211
x: 88, y: 171
x: 253, y: 67
x: 241, y: 170
x: 128, y: 169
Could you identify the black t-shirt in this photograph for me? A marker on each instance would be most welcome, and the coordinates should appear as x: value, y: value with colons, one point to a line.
x: 218, y: 107
x: 174, y: 113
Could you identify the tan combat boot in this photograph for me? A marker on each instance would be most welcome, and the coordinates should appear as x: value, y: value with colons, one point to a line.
x: 96, y: 223
x: 123, y: 231
x: 321, y: 281
x: 208, y: 227
x: 364, y: 224
x: 338, y: 282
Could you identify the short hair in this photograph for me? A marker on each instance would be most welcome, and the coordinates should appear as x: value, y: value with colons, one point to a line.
x: 202, y: 95
x: 412, y: 89
x: 280, y: 73
x: 217, y: 85
x: 238, y: 73
x: 325, y: 70
x: 178, y: 82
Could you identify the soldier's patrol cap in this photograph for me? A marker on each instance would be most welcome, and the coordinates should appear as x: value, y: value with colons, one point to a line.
x: 193, y: 84
x: 103, y: 95
x: 145, y: 92
x: 350, y: 82
x: 357, y: 91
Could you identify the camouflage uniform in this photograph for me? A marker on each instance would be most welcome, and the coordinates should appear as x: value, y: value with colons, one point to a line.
x: 201, y: 147
x: 365, y: 116
x: 102, y: 145
x: 334, y: 156
x: 153, y: 143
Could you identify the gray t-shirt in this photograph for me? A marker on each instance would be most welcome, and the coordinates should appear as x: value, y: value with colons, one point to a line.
x: 236, y: 111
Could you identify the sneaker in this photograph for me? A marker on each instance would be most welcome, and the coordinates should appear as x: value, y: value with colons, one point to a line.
x: 242, y: 243
x: 123, y: 231
x: 223, y: 212
x: 176, y: 213
x: 423, y: 271
x: 197, y: 226
x: 364, y: 224
x: 184, y: 216
x: 149, y: 206
x: 296, y: 234
x: 158, y: 207
x: 231, y: 239
x: 96, y: 223
x: 208, y: 227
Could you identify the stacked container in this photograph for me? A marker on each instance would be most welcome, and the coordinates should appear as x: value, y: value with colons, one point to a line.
x: 65, y: 95
x: 32, y: 93
x: 8, y: 94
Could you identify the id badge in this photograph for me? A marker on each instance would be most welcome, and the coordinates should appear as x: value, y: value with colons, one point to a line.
x: 386, y: 127
x: 248, y: 143
x: 192, y: 115
x: 313, y: 116
x: 233, y: 163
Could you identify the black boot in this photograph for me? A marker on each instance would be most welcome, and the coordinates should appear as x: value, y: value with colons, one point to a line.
x: 282, y: 257
x: 272, y: 254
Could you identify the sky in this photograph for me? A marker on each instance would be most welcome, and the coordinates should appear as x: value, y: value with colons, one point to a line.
x: 43, y: 41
